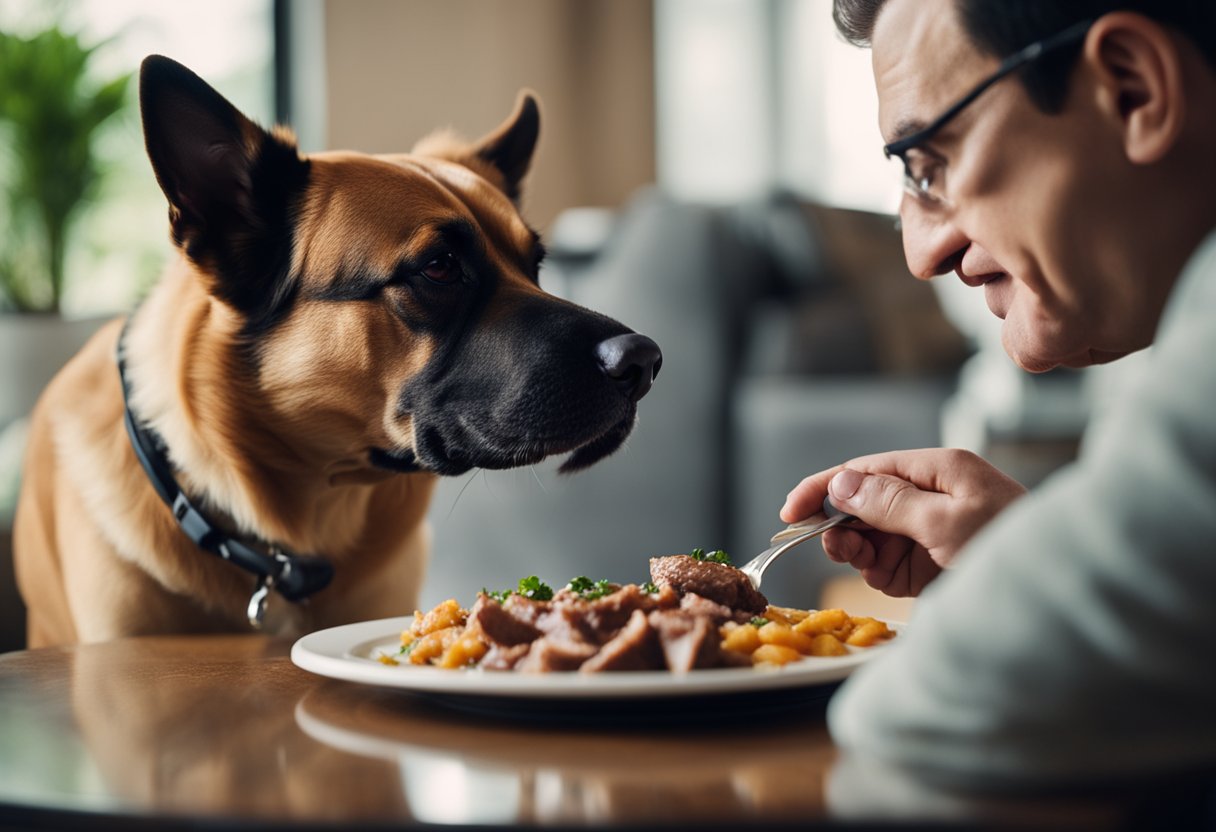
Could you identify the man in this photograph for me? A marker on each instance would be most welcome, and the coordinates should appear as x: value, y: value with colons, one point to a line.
x: 1069, y: 633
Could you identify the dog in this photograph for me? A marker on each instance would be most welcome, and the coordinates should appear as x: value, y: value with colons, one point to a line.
x: 336, y: 331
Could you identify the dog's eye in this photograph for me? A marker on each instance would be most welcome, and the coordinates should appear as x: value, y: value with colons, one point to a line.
x: 442, y: 269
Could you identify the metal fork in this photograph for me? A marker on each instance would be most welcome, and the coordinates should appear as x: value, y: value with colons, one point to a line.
x: 794, y: 535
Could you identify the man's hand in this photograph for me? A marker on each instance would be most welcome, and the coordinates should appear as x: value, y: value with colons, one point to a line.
x: 920, y: 507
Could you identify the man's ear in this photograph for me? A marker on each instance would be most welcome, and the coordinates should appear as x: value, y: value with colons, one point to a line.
x: 503, y: 156
x: 231, y: 185
x: 1140, y: 75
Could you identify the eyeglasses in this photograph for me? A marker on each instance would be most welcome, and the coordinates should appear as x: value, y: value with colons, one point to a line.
x: 925, y: 172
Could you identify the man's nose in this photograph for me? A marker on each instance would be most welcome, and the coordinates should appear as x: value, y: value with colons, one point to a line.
x: 932, y: 243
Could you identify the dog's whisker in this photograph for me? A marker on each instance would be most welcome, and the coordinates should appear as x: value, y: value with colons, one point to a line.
x: 463, y: 488
x: 536, y: 477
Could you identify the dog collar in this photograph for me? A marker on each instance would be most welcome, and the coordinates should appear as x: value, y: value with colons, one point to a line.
x: 295, y: 577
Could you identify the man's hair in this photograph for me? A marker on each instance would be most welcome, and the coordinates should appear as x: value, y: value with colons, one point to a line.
x: 1001, y: 27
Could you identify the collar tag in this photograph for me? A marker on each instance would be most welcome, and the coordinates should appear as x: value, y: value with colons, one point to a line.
x: 256, y: 610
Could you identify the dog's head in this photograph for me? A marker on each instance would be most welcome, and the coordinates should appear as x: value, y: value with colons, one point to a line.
x: 390, y: 313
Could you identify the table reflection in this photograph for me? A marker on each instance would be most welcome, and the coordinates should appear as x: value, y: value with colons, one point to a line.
x: 228, y: 727
x: 181, y: 727
x: 190, y: 730
x: 460, y: 769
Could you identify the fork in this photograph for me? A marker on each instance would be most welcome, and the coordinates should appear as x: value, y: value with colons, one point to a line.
x: 794, y: 535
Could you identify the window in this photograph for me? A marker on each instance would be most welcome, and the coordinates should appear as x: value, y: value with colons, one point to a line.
x: 118, y: 242
x: 760, y: 95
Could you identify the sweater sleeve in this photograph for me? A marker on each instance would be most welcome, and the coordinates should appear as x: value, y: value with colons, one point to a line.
x: 1076, y: 637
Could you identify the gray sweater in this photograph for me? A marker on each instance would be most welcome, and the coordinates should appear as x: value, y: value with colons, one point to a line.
x: 1076, y: 636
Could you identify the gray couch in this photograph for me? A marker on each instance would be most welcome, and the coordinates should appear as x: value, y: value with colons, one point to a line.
x: 793, y: 338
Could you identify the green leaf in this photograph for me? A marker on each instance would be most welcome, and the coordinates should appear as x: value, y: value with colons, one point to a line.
x: 498, y: 595
x: 585, y: 588
x: 534, y: 588
x: 716, y: 556
x: 51, y: 113
x: 580, y: 584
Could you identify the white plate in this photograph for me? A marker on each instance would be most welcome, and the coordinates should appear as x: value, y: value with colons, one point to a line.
x: 349, y: 652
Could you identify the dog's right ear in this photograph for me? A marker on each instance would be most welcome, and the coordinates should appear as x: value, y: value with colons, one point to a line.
x: 231, y: 185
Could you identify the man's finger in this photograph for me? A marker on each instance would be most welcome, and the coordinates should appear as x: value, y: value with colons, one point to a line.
x: 806, y: 498
x: 886, y: 503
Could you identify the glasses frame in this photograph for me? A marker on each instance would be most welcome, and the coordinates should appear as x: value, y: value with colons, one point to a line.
x: 1026, y: 55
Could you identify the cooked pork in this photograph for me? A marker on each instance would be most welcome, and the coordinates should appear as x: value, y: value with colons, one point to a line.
x: 671, y: 624
x: 715, y: 581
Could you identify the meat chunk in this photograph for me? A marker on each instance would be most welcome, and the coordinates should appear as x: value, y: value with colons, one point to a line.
x: 687, y: 640
x: 635, y: 647
x: 716, y: 581
x: 694, y: 604
x: 499, y: 626
x: 549, y: 653
x: 499, y: 657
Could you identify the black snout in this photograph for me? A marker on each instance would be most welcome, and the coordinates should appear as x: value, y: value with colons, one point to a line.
x: 632, y: 361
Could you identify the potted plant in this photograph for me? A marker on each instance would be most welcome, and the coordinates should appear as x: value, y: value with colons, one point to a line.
x: 51, y: 113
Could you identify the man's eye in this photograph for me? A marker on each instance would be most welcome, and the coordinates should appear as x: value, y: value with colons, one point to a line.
x: 926, y: 172
x: 444, y: 269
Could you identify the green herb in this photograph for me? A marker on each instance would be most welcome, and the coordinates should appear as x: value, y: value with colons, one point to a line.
x: 758, y: 621
x: 716, y: 556
x: 498, y: 595
x: 534, y: 588
x: 589, y: 590
x: 580, y: 584
x: 529, y: 587
x: 650, y: 589
x: 407, y: 648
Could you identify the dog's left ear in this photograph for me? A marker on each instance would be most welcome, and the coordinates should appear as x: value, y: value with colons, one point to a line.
x: 503, y: 156
x: 509, y: 148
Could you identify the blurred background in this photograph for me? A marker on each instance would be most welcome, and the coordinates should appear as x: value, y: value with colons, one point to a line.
x: 709, y: 172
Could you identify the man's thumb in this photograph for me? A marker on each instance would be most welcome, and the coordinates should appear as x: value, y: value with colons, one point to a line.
x: 882, y: 502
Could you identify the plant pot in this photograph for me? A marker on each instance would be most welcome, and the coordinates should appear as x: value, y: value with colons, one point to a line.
x: 33, y: 347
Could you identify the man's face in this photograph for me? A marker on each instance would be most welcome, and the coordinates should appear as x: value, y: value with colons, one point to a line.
x: 1028, y: 194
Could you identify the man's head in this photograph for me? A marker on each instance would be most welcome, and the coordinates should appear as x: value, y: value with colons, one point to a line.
x: 1075, y: 187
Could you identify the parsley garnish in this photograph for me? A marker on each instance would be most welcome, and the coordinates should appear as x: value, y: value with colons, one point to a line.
x: 529, y: 587
x: 589, y: 590
x: 716, y: 556
x: 758, y: 621
x: 650, y: 589
x: 534, y: 588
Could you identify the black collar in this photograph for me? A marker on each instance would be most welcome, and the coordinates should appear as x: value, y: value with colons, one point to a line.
x: 295, y: 577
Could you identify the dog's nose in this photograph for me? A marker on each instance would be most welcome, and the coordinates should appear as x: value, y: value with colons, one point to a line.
x: 632, y: 361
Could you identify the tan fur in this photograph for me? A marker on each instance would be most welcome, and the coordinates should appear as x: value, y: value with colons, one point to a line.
x: 98, y: 555
x: 281, y: 457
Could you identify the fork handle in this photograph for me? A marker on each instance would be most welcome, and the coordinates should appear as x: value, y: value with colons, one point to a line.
x: 795, y: 529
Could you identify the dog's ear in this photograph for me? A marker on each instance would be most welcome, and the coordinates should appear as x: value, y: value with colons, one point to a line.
x: 503, y: 156
x: 231, y: 185
x: 509, y: 148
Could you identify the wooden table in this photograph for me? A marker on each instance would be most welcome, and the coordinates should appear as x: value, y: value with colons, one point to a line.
x: 165, y: 732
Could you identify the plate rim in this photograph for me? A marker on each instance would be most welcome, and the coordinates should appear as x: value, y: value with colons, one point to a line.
x: 327, y: 652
